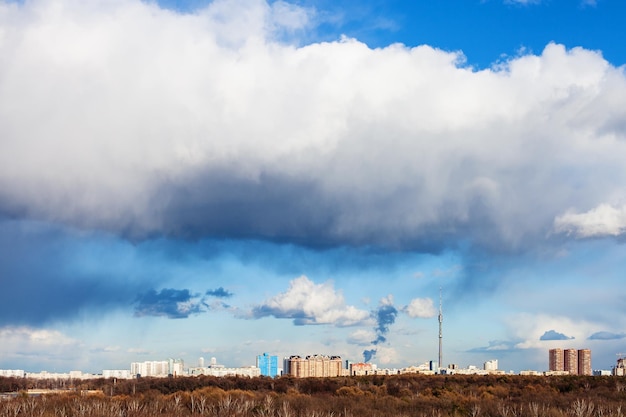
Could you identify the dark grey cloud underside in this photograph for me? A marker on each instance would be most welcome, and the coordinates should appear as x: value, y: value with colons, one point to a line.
x: 554, y: 335
x: 217, y: 205
x: 300, y: 318
x: 166, y: 303
x: 607, y: 336
x: 219, y: 293
x: 284, y: 209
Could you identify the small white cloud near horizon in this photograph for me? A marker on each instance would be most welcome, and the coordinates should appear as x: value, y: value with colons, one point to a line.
x: 604, y: 220
x: 422, y: 308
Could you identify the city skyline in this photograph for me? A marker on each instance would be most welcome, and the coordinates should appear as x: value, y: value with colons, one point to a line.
x: 223, y: 178
x: 561, y: 362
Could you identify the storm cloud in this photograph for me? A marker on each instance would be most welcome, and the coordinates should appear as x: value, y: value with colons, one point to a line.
x: 210, y: 124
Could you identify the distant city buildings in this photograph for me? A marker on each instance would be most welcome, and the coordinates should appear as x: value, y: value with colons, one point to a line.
x: 489, y: 368
x: 561, y: 362
x: 15, y: 373
x: 570, y: 361
x: 214, y: 369
x: 60, y: 375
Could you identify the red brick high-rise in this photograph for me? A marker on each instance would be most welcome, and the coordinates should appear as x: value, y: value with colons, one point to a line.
x: 584, y: 362
x: 556, y: 359
x: 570, y: 361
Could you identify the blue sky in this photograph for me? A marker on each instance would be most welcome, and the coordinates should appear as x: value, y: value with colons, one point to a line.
x: 221, y: 179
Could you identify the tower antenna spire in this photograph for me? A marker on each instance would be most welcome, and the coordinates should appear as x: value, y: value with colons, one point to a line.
x: 440, y: 332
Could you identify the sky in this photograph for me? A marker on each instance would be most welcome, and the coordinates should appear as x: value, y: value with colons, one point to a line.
x: 186, y: 179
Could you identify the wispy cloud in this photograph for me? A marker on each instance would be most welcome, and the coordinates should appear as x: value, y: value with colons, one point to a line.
x: 589, y: 3
x: 522, y: 2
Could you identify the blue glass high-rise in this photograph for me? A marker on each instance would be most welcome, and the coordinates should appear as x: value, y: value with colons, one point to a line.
x: 267, y: 364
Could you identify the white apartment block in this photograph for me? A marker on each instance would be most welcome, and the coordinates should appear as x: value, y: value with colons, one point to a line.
x: 158, y: 368
x: 117, y: 373
x: 491, y: 365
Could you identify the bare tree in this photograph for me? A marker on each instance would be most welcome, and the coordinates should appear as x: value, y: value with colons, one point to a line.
x: 582, y: 408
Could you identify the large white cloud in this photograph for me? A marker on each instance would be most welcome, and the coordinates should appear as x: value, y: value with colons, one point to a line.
x: 125, y: 116
x: 309, y: 303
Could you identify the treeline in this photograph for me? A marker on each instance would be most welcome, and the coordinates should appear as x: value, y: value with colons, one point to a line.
x: 398, y: 395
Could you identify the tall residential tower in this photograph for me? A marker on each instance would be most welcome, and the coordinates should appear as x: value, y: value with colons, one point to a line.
x: 556, y: 359
x: 584, y: 362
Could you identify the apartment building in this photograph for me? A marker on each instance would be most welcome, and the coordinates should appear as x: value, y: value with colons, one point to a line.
x: 556, y: 359
x: 313, y: 366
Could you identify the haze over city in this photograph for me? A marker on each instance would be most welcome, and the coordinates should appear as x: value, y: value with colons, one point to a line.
x: 224, y: 178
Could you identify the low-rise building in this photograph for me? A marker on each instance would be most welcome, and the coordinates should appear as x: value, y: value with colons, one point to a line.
x: 360, y: 369
x: 220, y: 371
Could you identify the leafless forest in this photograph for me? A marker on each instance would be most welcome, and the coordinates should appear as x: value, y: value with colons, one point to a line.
x: 401, y: 395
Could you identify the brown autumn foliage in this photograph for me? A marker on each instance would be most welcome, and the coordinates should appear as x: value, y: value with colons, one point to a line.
x: 376, y: 396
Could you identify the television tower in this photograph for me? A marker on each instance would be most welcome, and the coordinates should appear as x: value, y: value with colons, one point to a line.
x: 440, y: 331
